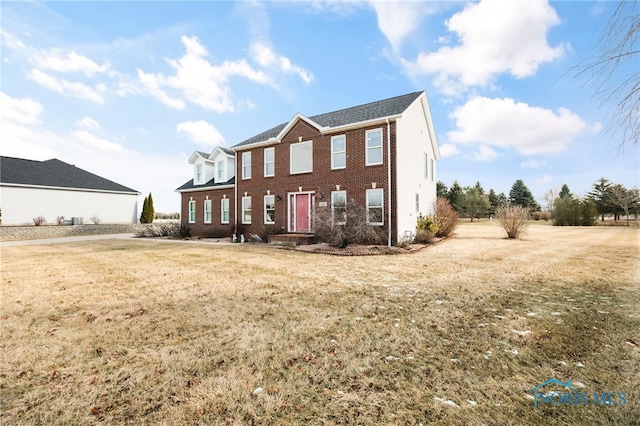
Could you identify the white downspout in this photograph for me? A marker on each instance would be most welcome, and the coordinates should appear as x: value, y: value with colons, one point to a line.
x: 235, y: 194
x: 389, y: 180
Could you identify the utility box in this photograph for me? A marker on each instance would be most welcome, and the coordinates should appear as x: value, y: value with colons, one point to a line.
x: 77, y: 221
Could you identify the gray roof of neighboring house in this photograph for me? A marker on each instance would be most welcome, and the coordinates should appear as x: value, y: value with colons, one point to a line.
x: 54, y: 173
x: 209, y: 185
x: 357, y: 114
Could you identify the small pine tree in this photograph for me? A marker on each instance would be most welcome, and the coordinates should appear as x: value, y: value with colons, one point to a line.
x: 148, y: 212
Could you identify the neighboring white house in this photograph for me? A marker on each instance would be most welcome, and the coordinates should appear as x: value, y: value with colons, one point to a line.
x: 53, y: 188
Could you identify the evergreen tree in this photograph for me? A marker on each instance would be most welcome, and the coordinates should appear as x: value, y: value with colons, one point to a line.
x: 520, y: 195
x: 600, y: 194
x: 502, y: 199
x: 441, y: 189
x: 455, y: 196
x: 494, y: 201
x: 565, y: 193
x: 479, y: 189
x: 474, y: 203
x: 148, y: 213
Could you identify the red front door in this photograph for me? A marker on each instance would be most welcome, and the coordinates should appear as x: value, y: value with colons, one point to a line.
x: 300, y: 212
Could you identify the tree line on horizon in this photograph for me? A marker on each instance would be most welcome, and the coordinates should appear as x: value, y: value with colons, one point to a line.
x: 606, y: 199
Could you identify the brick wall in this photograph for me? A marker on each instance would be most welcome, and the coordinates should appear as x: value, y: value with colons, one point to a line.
x: 52, y: 231
x: 355, y: 179
x: 215, y: 228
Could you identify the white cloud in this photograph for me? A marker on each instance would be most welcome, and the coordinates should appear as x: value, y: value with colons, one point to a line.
x: 484, y: 153
x: 151, y: 83
x: 532, y: 164
x: 56, y: 60
x: 448, y: 150
x: 507, y: 124
x: 91, y: 142
x: 495, y: 37
x: 265, y: 56
x: 10, y: 41
x: 65, y: 87
x: 201, y: 132
x: 88, y: 123
x: 199, y: 81
x: 398, y: 19
x: 19, y: 111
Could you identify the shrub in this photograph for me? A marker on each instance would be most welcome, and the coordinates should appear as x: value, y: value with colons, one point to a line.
x: 40, y: 220
x: 148, y: 212
x: 424, y: 236
x: 95, y: 219
x: 446, y: 217
x: 59, y: 220
x: 427, y: 223
x: 575, y: 212
x: 164, y: 230
x: 356, y: 230
x: 514, y: 219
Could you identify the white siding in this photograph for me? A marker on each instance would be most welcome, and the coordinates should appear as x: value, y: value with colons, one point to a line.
x: 20, y: 205
x: 415, y: 136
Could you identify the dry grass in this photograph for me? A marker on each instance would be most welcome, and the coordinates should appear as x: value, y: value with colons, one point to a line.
x: 157, y: 332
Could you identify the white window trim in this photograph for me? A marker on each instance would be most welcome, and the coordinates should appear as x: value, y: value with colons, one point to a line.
x: 371, y: 191
x: 273, y: 162
x: 333, y: 193
x: 244, y: 221
x: 246, y: 165
x: 205, y: 211
x: 432, y: 163
x: 222, y: 210
x: 268, y: 222
x: 333, y: 153
x: 192, y: 211
x: 220, y: 165
x: 366, y: 147
x: 291, y: 157
x: 198, y: 177
x: 417, y: 202
x: 426, y: 166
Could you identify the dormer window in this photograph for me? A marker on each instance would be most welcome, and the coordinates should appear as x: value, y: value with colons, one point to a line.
x: 220, y: 168
x: 198, y: 175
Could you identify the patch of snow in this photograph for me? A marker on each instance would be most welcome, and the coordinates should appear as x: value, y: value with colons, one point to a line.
x: 359, y: 318
x: 471, y: 403
x: 522, y: 333
x: 439, y: 302
x: 556, y: 313
x: 512, y: 351
x: 603, y: 312
x: 453, y: 360
x: 564, y: 364
x: 256, y: 391
x: 483, y: 324
x: 340, y: 392
x: 487, y: 354
x: 579, y: 364
x: 529, y: 396
x: 500, y: 316
x: 531, y: 314
x: 579, y: 384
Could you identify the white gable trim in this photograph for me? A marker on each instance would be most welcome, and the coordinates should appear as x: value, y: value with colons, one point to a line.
x: 64, y: 188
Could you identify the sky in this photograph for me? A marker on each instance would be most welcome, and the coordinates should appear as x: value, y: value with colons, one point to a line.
x: 129, y: 90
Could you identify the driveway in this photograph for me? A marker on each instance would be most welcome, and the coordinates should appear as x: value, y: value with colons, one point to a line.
x: 65, y: 239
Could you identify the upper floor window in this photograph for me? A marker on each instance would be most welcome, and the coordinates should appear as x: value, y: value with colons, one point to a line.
x: 269, y: 161
x: 246, y: 210
x: 375, y: 213
x: 417, y: 203
x: 199, y: 176
x: 192, y: 211
x: 432, y: 167
x: 246, y: 165
x: 224, y: 210
x: 269, y: 209
x: 426, y: 166
x: 339, y: 207
x: 374, y: 147
x: 338, y: 152
x: 207, y: 211
x: 221, y: 174
x: 301, y: 157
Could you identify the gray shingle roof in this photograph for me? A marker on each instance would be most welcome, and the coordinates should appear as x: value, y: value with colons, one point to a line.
x: 357, y: 114
x: 211, y: 184
x: 54, y: 173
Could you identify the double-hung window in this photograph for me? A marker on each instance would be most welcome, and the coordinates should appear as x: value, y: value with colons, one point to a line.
x: 246, y: 165
x: 338, y: 152
x: 220, y: 166
x: 432, y: 168
x: 301, y: 155
x: 224, y: 210
x: 207, y: 211
x: 426, y: 166
x: 269, y: 209
x: 374, y: 147
x: 269, y: 161
x: 339, y: 207
x: 198, y: 176
x: 246, y: 210
x: 192, y: 211
x: 375, y: 213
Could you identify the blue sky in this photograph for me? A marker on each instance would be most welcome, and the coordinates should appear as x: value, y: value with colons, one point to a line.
x: 129, y: 90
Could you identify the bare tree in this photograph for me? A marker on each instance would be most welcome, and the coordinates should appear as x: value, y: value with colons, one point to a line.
x: 549, y: 200
x: 613, y: 73
x: 624, y: 198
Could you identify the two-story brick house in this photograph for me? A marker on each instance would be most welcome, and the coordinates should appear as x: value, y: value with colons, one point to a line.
x: 381, y: 155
